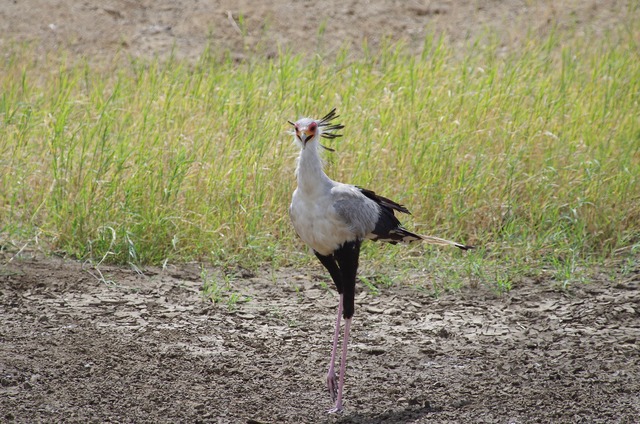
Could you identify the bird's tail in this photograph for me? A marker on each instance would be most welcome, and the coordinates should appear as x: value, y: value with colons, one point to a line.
x: 401, y: 235
x: 442, y: 242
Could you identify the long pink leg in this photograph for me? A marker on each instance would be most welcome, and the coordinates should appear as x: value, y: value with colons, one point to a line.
x: 332, y: 384
x: 343, y: 365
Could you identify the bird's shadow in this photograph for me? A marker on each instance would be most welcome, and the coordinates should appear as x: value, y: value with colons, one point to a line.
x: 406, y: 415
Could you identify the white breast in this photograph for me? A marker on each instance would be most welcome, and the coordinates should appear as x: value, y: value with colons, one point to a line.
x: 317, y: 223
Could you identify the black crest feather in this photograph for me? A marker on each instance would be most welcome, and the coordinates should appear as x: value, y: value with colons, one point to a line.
x: 327, y: 126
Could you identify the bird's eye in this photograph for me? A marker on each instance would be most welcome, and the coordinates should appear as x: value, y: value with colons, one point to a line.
x: 313, y: 126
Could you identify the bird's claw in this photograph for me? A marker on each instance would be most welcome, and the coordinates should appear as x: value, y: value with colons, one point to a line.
x: 332, y: 386
x: 335, y: 410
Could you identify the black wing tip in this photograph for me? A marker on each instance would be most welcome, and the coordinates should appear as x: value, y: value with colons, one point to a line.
x: 403, y: 209
x: 383, y: 201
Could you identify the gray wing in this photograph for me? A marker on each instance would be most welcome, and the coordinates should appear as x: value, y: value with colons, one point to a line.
x: 371, y: 216
x: 355, y: 209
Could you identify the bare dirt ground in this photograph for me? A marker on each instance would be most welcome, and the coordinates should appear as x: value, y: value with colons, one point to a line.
x: 98, y: 29
x: 148, y: 348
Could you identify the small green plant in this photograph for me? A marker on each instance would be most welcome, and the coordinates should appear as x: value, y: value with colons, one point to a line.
x: 565, y: 270
x: 502, y: 281
x: 370, y: 285
x: 630, y: 265
x: 218, y: 289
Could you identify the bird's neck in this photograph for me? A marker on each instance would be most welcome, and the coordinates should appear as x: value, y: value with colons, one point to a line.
x: 310, y: 175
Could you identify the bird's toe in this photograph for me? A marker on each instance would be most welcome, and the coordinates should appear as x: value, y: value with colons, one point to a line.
x: 335, y: 410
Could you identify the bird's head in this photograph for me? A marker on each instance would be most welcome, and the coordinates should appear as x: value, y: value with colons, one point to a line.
x: 308, y: 131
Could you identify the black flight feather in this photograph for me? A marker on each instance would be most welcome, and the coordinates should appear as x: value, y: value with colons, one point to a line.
x: 388, y: 227
x: 383, y: 201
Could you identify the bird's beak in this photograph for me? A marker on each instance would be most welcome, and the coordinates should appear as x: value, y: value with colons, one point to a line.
x: 306, y: 135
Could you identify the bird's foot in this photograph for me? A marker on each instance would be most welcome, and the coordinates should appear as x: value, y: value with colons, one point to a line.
x: 335, y: 410
x: 332, y: 386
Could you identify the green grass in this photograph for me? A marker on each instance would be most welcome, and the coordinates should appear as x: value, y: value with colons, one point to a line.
x: 218, y: 289
x: 533, y: 155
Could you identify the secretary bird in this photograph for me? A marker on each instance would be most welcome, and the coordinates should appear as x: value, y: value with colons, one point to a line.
x: 333, y: 219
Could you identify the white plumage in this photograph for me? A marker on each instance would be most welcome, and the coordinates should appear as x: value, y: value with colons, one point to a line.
x: 331, y: 214
x: 333, y: 219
